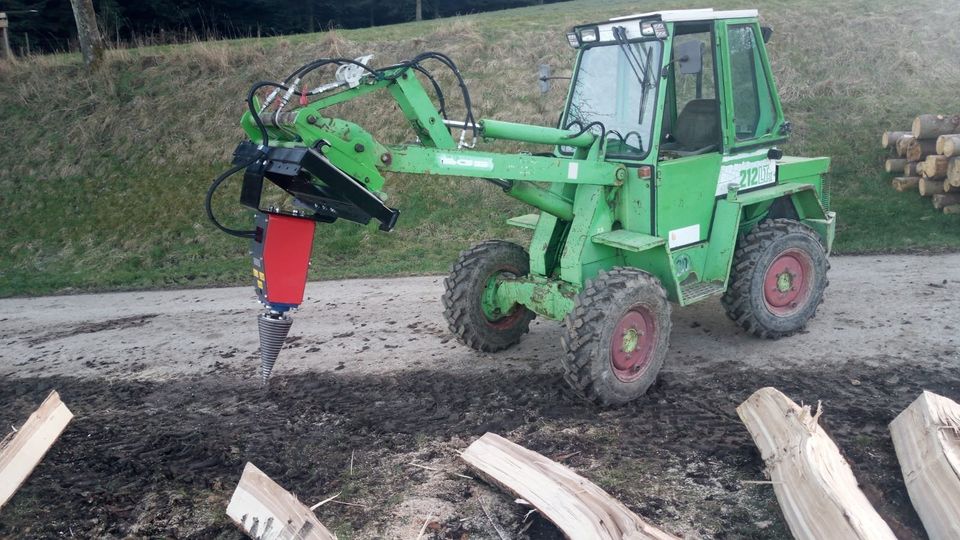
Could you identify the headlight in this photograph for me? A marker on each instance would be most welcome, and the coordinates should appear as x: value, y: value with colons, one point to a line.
x: 589, y: 35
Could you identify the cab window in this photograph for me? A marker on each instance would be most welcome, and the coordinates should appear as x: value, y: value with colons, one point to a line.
x: 753, y: 109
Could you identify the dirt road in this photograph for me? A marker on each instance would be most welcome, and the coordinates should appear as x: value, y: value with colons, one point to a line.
x: 168, y: 408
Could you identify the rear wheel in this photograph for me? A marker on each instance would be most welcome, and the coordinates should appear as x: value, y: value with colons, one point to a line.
x: 778, y: 278
x: 472, y: 279
x: 617, y: 336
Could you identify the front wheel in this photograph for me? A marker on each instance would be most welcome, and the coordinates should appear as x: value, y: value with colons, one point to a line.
x: 778, y: 278
x: 471, y: 283
x: 616, y: 337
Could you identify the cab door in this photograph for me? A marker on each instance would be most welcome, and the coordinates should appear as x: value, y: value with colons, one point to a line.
x: 752, y: 117
x: 691, y: 144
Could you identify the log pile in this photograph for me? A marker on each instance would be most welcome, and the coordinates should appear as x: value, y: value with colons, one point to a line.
x: 926, y: 159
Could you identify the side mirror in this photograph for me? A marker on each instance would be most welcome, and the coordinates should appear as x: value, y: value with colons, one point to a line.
x: 690, y: 57
x: 766, y: 32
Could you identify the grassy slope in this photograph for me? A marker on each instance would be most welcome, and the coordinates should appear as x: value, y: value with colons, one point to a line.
x: 102, y: 177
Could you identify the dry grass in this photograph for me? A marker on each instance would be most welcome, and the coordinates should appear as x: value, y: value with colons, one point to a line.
x: 102, y: 175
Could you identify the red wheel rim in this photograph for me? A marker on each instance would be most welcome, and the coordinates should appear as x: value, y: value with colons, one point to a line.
x: 515, y: 314
x: 632, y: 343
x: 507, y: 321
x: 786, y: 284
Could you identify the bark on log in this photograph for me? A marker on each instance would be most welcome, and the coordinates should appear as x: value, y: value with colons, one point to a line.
x: 579, y: 508
x: 929, y: 188
x: 931, y: 126
x: 890, y: 138
x: 902, y: 143
x: 911, y: 168
x: 926, y: 437
x: 918, y: 149
x: 266, y: 511
x: 817, y: 491
x: 21, y: 454
x: 945, y: 199
x: 894, y: 165
x: 905, y: 183
x: 948, y: 145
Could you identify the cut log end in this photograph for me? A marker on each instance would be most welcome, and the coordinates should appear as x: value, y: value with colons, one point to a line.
x: 889, y: 138
x: 894, y: 165
x: 905, y: 183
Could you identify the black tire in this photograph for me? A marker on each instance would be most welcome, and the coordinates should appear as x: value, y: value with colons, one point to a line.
x: 462, y: 299
x: 603, y: 313
x: 787, y: 306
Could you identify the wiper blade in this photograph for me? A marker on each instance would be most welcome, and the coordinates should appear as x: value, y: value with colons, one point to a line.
x: 620, y: 35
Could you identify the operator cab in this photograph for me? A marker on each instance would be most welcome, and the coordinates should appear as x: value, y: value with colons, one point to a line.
x: 658, y: 82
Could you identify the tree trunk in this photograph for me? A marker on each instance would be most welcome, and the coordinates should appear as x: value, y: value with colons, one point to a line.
x: 91, y: 42
x: 948, y: 145
x: 5, y: 51
x: 902, y: 145
x: 895, y: 165
x: 911, y: 168
x: 918, y: 149
x: 931, y: 126
x: 945, y: 199
x: 890, y: 138
x: 929, y: 188
x: 905, y: 183
x: 419, y: 10
x: 311, y: 16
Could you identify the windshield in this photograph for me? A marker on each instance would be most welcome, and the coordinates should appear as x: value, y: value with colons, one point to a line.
x: 615, y: 89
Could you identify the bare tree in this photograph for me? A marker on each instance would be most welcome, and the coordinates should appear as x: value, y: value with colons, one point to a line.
x: 419, y: 10
x: 91, y: 42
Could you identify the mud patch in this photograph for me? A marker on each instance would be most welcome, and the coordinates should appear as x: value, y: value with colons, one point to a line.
x: 94, y: 327
x: 161, y: 458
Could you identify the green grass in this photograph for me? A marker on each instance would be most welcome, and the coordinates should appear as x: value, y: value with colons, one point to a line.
x: 102, y: 176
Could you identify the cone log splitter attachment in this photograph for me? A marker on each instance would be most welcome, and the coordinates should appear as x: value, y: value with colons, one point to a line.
x: 280, y: 248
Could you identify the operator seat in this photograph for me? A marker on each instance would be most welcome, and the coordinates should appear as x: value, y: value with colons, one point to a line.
x: 697, y: 130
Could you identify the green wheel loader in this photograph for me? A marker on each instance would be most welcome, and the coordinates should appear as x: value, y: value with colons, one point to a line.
x: 663, y: 185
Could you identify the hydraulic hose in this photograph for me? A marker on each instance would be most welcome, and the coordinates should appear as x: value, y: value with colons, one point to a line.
x: 208, y: 202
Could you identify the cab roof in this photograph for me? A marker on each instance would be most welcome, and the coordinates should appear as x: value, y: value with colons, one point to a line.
x: 707, y: 14
x: 605, y: 29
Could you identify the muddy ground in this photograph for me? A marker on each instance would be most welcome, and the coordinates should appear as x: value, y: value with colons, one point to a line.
x: 168, y: 408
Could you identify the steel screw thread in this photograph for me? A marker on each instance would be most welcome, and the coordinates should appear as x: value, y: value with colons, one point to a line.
x: 273, y: 329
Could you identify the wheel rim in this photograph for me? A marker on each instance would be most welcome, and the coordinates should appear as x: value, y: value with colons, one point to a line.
x: 500, y: 320
x: 632, y: 343
x: 787, y: 282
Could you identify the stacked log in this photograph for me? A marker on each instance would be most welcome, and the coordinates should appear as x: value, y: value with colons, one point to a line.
x: 926, y: 159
